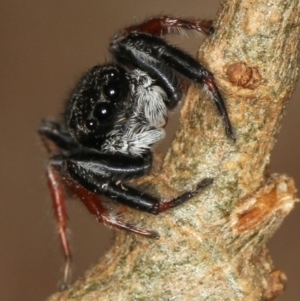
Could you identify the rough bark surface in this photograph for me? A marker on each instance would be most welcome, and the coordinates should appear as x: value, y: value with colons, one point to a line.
x: 214, y: 246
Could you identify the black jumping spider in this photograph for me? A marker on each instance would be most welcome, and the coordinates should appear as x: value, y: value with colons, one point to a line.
x: 114, y: 116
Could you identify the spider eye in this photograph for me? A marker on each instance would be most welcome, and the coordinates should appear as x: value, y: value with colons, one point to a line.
x: 113, y: 91
x: 104, y: 111
x: 91, y: 124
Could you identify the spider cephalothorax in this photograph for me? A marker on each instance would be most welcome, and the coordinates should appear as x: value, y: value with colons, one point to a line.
x: 114, y: 116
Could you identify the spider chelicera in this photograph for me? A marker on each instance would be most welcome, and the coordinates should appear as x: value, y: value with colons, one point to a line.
x: 115, y: 115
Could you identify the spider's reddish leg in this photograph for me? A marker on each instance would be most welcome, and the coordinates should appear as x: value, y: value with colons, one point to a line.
x: 164, y: 206
x: 95, y: 207
x: 165, y: 25
x: 56, y: 188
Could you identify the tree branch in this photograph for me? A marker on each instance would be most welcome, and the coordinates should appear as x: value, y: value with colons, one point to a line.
x: 213, y: 247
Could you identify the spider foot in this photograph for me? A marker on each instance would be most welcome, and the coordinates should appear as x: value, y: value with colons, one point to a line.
x: 184, y: 197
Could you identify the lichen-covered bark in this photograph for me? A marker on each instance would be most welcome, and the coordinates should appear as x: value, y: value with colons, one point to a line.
x: 213, y: 247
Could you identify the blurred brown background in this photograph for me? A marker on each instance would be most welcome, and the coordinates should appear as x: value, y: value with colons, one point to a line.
x: 45, y: 45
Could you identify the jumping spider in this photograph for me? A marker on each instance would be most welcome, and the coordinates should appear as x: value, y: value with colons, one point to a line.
x: 114, y: 116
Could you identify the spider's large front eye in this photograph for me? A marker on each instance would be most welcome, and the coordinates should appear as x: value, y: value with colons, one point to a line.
x: 104, y: 112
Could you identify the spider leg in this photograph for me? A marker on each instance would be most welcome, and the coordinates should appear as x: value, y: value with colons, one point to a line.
x: 163, y: 25
x: 92, y: 180
x: 54, y: 137
x: 156, y: 57
x: 185, y: 196
x: 164, y: 76
x: 115, y: 167
x: 95, y: 207
x: 56, y: 187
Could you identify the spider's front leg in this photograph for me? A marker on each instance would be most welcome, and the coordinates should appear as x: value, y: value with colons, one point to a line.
x: 59, y: 183
x: 55, y: 138
x: 163, y: 25
x: 140, y: 47
x: 96, y: 176
x: 57, y: 191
